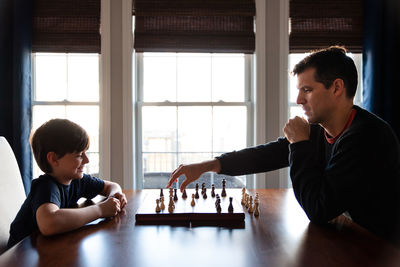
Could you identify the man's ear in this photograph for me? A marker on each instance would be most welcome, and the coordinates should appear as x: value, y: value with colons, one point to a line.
x: 52, y: 158
x: 338, y: 87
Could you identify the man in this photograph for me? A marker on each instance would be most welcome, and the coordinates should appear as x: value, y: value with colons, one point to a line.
x: 342, y: 158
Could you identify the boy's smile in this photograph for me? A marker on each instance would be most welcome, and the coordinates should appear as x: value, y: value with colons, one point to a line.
x: 69, y: 167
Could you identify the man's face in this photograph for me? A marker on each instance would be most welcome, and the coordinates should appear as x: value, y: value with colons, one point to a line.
x: 315, y: 99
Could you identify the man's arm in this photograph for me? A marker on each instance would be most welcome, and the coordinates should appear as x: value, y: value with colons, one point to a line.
x: 53, y: 220
x: 192, y: 172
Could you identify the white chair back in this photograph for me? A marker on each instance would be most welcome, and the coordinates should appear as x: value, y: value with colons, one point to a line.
x: 12, y: 192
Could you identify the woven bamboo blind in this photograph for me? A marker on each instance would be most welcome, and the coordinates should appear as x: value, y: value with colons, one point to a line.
x: 71, y: 26
x: 223, y: 26
x: 317, y: 24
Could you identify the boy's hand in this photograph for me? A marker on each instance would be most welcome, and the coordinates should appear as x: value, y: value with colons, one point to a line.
x: 110, y: 207
x: 122, y: 199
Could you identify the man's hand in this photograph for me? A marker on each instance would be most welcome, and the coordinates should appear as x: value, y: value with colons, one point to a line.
x: 297, y: 129
x: 192, y: 172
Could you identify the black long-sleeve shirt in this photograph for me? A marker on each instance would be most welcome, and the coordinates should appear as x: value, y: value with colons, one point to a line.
x: 358, y: 174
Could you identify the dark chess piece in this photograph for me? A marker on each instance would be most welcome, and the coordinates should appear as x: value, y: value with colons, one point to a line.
x: 205, y: 193
x: 175, y: 195
x: 203, y: 186
x: 184, y: 195
x: 212, y: 190
x: 161, y: 193
x: 218, y: 207
x: 223, y: 193
x: 196, y: 195
x: 230, y: 208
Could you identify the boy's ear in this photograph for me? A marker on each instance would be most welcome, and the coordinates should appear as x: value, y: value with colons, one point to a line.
x: 52, y: 158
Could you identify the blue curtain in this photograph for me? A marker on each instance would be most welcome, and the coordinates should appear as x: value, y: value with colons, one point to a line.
x: 15, y: 81
x: 381, y: 60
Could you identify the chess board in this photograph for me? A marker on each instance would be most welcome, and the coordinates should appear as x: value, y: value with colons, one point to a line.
x: 203, y: 213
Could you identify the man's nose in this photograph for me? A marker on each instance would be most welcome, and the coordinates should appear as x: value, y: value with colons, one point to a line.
x: 300, y: 98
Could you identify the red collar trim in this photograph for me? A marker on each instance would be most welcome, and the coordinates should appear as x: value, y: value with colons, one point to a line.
x: 332, y: 140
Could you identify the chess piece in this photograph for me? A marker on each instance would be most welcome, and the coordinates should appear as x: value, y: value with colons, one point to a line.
x: 247, y: 201
x: 162, y: 206
x: 223, y: 193
x: 251, y: 208
x: 170, y: 192
x: 203, y: 185
x: 212, y: 190
x: 243, y: 196
x: 230, y: 207
x: 170, y: 209
x: 218, y: 207
x: 158, y: 209
x: 171, y: 202
x: 161, y: 193
x: 175, y: 195
x: 196, y: 196
x: 205, y: 193
x: 192, y: 203
x: 256, y: 209
x: 184, y: 195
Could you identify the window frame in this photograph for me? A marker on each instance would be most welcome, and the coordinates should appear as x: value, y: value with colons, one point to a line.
x: 66, y: 102
x: 139, y: 104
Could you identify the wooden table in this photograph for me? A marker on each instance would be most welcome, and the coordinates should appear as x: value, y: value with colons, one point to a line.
x: 281, y: 236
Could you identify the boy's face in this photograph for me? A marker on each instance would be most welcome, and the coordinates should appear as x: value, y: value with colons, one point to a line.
x: 71, y: 165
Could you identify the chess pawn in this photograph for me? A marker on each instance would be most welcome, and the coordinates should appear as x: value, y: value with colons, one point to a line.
x: 243, y: 190
x: 171, y: 192
x: 256, y: 209
x: 170, y: 208
x: 223, y: 193
x: 205, y: 193
x: 192, y: 203
x: 251, y: 208
x: 203, y: 186
x: 218, y: 207
x: 175, y: 195
x: 171, y: 203
x: 230, y: 208
x: 162, y: 206
x: 243, y: 200
x: 158, y: 209
x: 212, y: 190
x: 161, y: 192
x: 184, y: 195
x: 196, y: 196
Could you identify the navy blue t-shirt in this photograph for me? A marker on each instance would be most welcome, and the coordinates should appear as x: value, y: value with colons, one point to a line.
x: 46, y: 189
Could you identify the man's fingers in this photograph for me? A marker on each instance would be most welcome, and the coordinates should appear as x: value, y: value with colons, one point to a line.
x: 184, y: 184
x: 174, y: 177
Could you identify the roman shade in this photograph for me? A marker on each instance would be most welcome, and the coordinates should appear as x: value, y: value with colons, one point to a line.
x: 224, y: 26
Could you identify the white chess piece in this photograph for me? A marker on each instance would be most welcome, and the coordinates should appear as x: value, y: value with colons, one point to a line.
x: 256, y: 209
x: 158, y: 206
x: 251, y: 208
x: 162, y: 206
x: 192, y: 203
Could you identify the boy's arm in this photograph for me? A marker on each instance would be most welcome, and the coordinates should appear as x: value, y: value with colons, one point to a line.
x: 53, y: 220
x: 114, y: 190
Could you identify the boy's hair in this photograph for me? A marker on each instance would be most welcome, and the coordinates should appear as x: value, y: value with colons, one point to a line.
x: 60, y: 136
x: 331, y: 63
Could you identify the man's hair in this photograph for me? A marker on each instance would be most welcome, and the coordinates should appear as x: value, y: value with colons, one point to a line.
x: 331, y: 63
x: 60, y: 136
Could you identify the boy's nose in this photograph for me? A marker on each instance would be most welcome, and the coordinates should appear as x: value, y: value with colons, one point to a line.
x: 85, y: 158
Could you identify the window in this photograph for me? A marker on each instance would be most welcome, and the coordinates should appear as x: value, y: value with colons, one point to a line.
x: 67, y: 86
x: 296, y: 110
x: 190, y: 107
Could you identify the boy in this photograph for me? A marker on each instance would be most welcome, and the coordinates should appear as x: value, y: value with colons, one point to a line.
x: 59, y: 147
